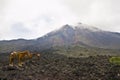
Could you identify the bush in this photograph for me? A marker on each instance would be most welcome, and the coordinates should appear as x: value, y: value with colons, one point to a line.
x: 115, y: 60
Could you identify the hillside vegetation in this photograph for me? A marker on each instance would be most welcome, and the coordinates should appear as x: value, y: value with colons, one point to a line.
x: 53, y: 66
x: 78, y: 51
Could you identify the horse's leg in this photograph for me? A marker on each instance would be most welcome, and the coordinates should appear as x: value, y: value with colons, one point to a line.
x: 19, y: 61
x: 11, y: 59
x: 22, y: 59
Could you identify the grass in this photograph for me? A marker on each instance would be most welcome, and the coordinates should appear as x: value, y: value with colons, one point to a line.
x: 78, y: 51
x: 115, y: 60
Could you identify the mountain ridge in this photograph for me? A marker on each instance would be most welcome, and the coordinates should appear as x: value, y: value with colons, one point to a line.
x: 94, y: 37
x: 67, y: 35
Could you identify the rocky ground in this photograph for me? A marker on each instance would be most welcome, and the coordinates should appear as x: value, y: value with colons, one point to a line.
x: 59, y: 67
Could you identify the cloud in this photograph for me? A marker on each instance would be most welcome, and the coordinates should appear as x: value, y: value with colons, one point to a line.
x: 19, y: 30
x: 38, y: 17
x: 2, y: 4
x: 101, y: 13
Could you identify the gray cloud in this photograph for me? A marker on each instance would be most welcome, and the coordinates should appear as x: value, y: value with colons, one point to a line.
x: 19, y: 30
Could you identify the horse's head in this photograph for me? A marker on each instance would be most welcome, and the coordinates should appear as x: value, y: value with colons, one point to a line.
x: 38, y: 55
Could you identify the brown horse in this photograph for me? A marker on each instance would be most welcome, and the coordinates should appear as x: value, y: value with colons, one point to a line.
x: 20, y: 56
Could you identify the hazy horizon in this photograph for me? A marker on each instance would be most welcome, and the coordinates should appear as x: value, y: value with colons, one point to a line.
x: 30, y: 19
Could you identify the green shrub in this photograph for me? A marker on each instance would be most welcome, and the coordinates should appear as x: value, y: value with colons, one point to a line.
x: 115, y: 60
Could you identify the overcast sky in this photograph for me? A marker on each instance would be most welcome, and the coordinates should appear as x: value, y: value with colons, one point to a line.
x: 31, y: 19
